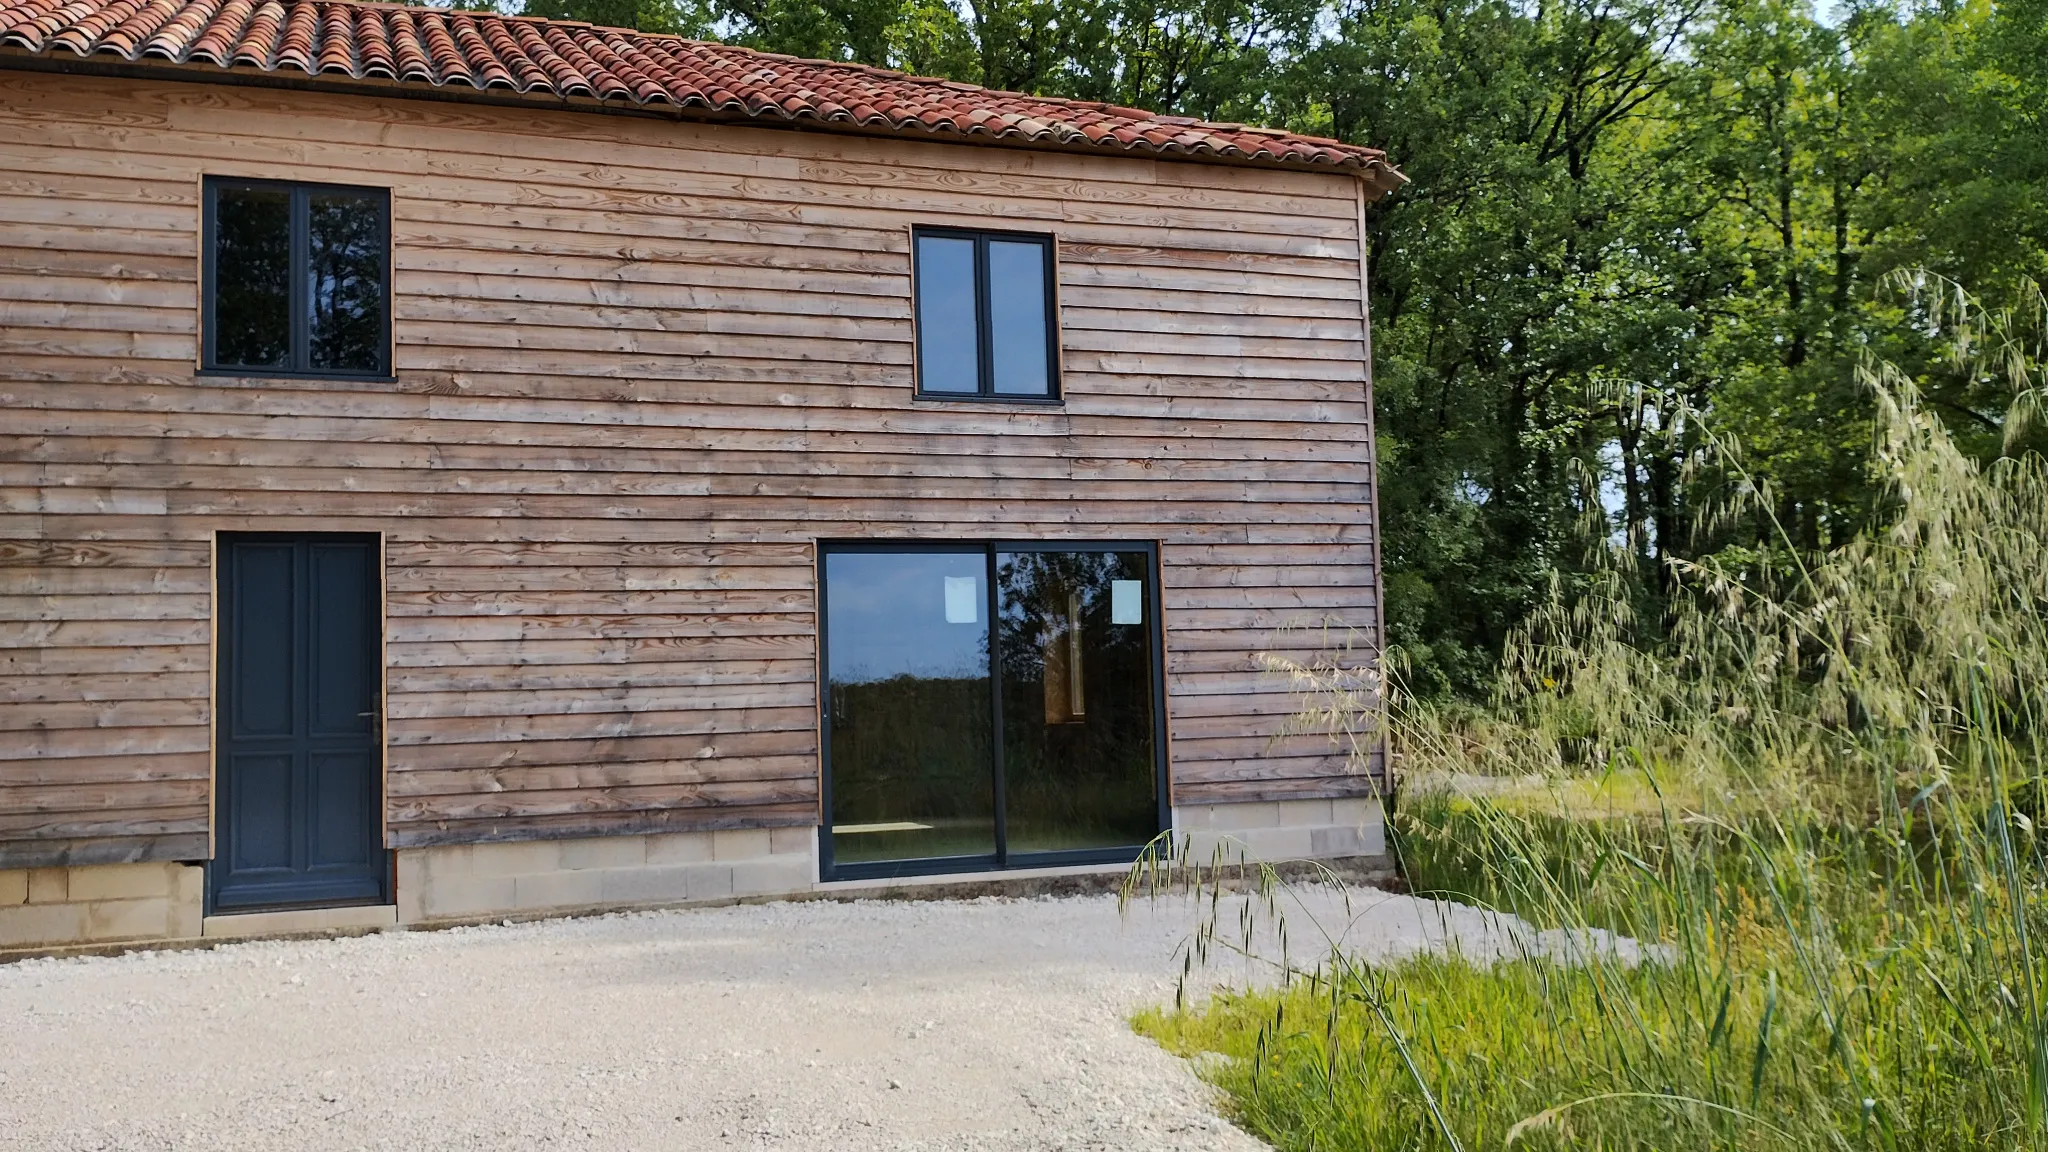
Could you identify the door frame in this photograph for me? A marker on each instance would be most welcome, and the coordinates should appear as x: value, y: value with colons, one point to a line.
x: 1002, y: 860
x: 216, y: 717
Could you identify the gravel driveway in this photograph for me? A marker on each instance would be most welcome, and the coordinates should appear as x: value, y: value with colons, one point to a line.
x: 989, y: 1024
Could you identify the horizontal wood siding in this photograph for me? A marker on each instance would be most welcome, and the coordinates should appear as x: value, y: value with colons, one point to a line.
x: 643, y: 366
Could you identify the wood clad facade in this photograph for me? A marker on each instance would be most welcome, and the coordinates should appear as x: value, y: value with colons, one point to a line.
x: 642, y: 367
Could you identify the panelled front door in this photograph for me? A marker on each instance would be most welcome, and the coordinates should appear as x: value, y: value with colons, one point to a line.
x: 298, y: 743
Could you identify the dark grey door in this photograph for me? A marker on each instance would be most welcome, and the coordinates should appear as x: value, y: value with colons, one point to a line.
x: 298, y: 747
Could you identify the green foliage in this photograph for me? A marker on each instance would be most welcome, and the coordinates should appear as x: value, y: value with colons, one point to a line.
x: 1812, y: 789
x: 676, y: 17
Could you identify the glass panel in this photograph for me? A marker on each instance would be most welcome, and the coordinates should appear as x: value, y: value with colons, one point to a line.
x: 252, y: 273
x: 1017, y: 321
x: 948, y: 346
x: 1078, y: 757
x: 908, y: 690
x: 345, y: 271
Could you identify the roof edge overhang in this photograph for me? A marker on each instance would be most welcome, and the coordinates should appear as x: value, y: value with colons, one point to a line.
x: 1377, y: 176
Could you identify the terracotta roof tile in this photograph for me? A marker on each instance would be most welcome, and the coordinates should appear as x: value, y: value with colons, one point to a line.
x: 331, y: 39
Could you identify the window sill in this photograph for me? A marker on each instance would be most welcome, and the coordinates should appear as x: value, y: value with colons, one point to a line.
x: 957, y: 399
x: 248, y: 374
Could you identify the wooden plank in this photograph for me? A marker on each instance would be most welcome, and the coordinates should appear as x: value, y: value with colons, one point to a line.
x: 145, y: 605
x: 155, y: 715
x: 674, y: 601
x: 46, y: 687
x: 59, y: 554
x: 79, y: 851
x: 975, y: 521
x: 1241, y: 657
x: 483, y: 750
x: 546, y: 652
x: 1090, y: 460
x: 579, y: 825
x: 144, y: 821
x: 582, y: 419
x: 1184, y: 558
x: 105, y: 769
x: 1184, y: 439
x: 101, y: 633
x: 73, y: 799
x: 1284, y: 771
x: 420, y: 629
x: 529, y: 555
x: 24, y: 582
x: 603, y: 726
x: 621, y: 696
x: 1235, y: 792
x: 153, y: 740
x: 446, y: 677
x: 89, y: 265
x: 588, y: 800
x: 1191, y: 747
x: 140, y: 659
x: 577, y: 777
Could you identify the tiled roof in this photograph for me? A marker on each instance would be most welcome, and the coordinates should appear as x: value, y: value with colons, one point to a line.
x: 483, y: 52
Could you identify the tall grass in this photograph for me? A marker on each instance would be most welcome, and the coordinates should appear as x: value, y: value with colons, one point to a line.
x: 1815, y: 780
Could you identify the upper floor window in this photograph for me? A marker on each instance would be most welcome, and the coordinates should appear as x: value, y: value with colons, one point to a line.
x: 986, y: 315
x: 296, y: 279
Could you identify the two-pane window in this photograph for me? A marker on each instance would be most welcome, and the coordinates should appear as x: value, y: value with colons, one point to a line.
x: 986, y: 324
x: 297, y: 279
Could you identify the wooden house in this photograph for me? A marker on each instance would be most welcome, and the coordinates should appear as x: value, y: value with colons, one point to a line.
x: 455, y: 465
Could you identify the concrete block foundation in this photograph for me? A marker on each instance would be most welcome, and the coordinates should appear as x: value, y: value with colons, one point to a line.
x: 1272, y: 831
x: 58, y: 908
x: 99, y: 904
x: 473, y: 881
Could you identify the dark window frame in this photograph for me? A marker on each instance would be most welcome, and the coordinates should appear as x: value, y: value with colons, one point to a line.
x: 299, y: 357
x: 984, y: 329
x: 1003, y: 860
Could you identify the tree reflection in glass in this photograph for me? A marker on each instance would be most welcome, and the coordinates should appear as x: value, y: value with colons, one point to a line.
x: 345, y: 272
x: 908, y: 691
x: 1078, y: 755
x: 252, y: 269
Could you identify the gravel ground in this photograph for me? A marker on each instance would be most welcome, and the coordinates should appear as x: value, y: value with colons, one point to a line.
x: 987, y: 1025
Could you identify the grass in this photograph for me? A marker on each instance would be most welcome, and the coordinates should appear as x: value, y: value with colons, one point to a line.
x: 1814, y: 782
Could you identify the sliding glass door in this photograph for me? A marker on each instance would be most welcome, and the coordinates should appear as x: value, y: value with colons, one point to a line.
x: 908, y: 702
x: 989, y: 706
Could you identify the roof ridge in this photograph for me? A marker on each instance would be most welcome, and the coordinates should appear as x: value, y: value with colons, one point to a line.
x: 455, y: 49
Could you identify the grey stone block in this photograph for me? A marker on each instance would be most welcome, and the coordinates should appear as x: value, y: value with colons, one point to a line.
x: 119, y: 882
x: 604, y: 852
x: 792, y: 841
x: 648, y: 885
x: 772, y: 877
x: 32, y: 925
x: 562, y: 889
x: 522, y: 858
x: 1339, y: 842
x: 710, y: 881
x: 679, y: 848
x: 740, y: 844
x: 471, y: 896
